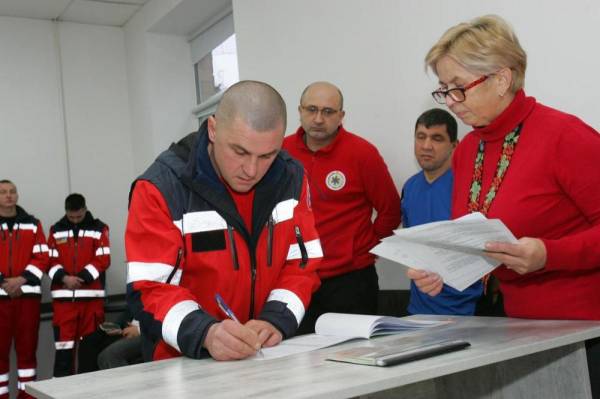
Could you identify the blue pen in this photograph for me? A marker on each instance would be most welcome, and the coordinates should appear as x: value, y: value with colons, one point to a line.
x: 227, y: 310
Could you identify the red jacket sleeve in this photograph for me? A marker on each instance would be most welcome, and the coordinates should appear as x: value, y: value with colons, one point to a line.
x: 154, y: 246
x: 578, y: 174
x: 298, y: 279
x: 382, y: 194
x: 38, y: 263
x: 100, y: 258
x: 56, y: 271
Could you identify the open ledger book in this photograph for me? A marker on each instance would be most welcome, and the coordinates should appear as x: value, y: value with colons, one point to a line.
x: 335, y: 328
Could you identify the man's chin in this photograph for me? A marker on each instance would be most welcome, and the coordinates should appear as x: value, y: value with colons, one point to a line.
x: 242, y: 187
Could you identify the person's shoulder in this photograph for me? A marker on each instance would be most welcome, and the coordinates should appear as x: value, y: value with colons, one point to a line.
x: 287, y: 161
x: 291, y: 143
x: 559, y: 123
x: 351, y: 138
x: 25, y: 217
x: 413, y: 180
x: 359, y: 148
x: 170, y: 164
x: 100, y: 225
x: 289, y: 140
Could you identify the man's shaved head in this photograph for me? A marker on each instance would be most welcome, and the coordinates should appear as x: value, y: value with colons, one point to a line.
x: 323, y: 85
x: 256, y: 104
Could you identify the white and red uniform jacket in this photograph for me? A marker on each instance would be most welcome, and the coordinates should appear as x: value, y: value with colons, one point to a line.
x: 23, y: 252
x: 81, y: 250
x: 186, y: 242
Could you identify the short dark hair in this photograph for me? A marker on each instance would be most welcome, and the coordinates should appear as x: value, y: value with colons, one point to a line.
x: 74, y: 202
x: 6, y: 181
x: 438, y: 116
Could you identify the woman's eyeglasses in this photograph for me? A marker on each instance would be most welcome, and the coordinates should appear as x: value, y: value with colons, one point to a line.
x: 457, y: 94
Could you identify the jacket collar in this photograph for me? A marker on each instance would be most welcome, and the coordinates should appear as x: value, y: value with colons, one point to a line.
x: 198, y: 174
x: 301, y: 144
x: 87, y: 222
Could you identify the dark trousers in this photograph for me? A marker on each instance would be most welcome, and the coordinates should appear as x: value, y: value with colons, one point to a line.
x: 123, y: 352
x: 90, y: 347
x: 355, y: 292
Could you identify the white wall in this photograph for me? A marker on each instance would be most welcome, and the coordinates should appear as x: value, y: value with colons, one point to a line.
x: 86, y: 109
x: 98, y: 126
x: 50, y: 149
x: 161, y: 84
x: 374, y: 51
x: 31, y: 124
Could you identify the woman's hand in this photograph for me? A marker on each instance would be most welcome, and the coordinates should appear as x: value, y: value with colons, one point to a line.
x: 526, y: 256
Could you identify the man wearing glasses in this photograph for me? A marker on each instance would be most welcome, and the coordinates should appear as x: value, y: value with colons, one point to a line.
x: 348, y: 180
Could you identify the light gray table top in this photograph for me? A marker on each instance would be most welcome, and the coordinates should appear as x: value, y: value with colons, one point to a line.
x: 309, y: 375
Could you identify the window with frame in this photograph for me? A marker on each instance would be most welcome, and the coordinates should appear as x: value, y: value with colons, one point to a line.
x: 217, y: 70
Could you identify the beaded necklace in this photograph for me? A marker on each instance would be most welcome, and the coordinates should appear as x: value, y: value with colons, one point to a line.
x: 508, y: 148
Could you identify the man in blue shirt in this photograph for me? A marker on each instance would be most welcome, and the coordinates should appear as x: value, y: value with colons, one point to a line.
x: 426, y: 197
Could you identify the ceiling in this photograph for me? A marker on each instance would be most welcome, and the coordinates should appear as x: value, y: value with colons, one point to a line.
x: 95, y: 12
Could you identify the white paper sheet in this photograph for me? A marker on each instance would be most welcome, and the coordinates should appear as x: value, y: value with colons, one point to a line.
x: 453, y: 249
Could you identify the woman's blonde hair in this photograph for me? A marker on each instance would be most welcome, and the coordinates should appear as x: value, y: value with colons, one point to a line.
x: 483, y: 45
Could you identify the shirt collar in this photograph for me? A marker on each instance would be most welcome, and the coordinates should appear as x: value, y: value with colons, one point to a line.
x: 328, y: 148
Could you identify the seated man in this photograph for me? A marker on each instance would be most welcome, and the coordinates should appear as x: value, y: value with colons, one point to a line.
x: 222, y: 212
x: 113, y: 344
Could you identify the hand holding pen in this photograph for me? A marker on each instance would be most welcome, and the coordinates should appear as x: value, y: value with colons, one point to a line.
x: 227, y: 310
x: 268, y: 335
x: 229, y: 339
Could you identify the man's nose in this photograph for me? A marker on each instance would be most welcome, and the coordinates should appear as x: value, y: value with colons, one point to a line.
x: 319, y: 116
x: 250, y: 166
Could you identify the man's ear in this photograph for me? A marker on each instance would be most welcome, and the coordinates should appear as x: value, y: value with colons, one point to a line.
x: 212, y: 128
x: 343, y: 113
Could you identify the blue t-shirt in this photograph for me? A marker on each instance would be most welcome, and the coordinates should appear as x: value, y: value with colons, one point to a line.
x: 424, y: 202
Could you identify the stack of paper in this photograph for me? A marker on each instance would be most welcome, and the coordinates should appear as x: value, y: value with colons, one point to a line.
x: 454, y: 249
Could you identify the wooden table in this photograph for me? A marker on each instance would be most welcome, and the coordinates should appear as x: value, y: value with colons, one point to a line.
x: 509, y: 358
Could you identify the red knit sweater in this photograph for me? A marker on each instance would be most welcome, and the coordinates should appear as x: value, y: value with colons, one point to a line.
x: 359, y: 181
x: 550, y: 191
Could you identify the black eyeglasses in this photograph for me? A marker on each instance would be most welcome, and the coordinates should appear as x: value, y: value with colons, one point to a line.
x: 457, y: 94
x: 314, y: 111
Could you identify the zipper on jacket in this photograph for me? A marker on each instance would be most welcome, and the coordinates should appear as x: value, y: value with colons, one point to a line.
x: 270, y: 226
x: 74, y: 261
x: 177, y: 262
x: 232, y: 247
x: 303, y: 252
x: 253, y: 282
x: 10, y: 272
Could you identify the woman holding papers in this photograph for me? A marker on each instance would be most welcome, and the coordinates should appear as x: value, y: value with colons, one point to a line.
x: 531, y: 166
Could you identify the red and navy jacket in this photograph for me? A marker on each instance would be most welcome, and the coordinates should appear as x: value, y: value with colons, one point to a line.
x: 23, y: 252
x: 81, y: 250
x: 186, y: 242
